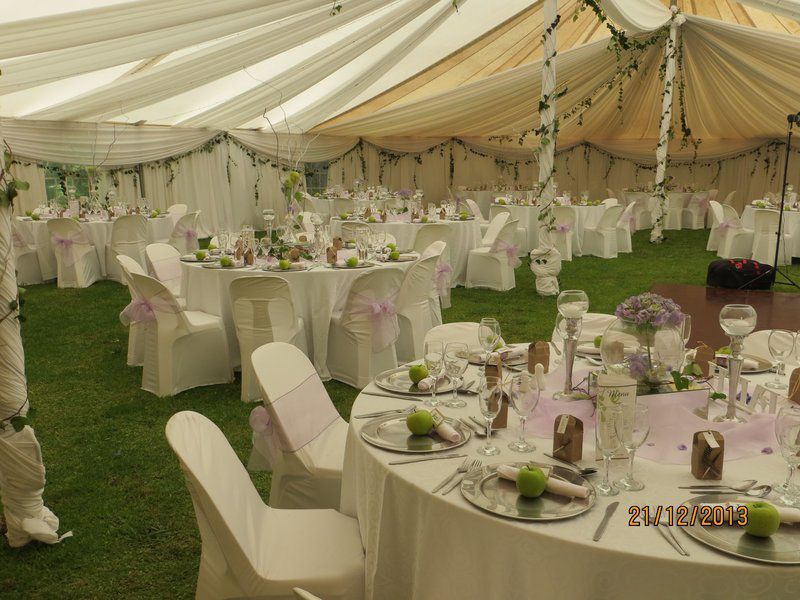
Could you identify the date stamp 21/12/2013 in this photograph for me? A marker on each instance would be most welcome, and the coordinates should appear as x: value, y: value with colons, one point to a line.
x: 706, y: 515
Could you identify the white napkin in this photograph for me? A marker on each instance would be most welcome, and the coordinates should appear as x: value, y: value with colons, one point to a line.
x: 448, y: 432
x: 427, y: 383
x: 506, y: 352
x: 787, y: 514
x: 554, y: 486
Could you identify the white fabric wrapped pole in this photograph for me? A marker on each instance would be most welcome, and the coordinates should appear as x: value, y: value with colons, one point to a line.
x: 660, y: 208
x: 546, y: 265
x: 22, y: 474
x: 548, y: 116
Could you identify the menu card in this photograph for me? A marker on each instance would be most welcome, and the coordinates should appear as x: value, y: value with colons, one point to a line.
x: 614, y: 390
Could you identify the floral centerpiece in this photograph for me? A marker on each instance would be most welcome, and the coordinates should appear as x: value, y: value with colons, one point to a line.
x: 646, y: 341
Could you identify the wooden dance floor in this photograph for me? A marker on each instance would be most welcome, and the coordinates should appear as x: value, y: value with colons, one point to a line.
x: 776, y: 310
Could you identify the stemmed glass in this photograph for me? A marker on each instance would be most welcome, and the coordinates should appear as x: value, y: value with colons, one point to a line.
x: 572, y: 305
x: 738, y: 321
x: 686, y: 329
x: 434, y: 361
x: 490, y: 399
x: 223, y: 238
x: 781, y: 344
x: 605, y: 432
x: 787, y: 431
x: 488, y: 335
x: 632, y: 427
x: 524, y: 395
x: 455, y: 364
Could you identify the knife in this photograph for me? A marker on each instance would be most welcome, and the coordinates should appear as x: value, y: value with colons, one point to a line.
x: 416, y: 460
x: 610, y: 509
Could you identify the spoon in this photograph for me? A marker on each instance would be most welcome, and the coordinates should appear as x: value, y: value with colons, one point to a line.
x: 759, y: 491
x: 578, y: 468
x: 742, y: 486
x: 555, y: 347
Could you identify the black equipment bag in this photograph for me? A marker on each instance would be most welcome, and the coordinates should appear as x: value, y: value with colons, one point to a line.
x: 739, y: 273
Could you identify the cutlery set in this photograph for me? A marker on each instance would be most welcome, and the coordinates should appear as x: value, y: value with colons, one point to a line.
x: 451, y: 481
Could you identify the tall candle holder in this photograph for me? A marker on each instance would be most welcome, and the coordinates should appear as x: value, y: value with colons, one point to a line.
x: 738, y: 321
x: 572, y: 305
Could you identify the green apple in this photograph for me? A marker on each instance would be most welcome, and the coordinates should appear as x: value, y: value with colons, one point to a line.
x: 762, y: 519
x: 28, y: 213
x: 501, y: 202
x: 352, y: 262
x: 212, y: 246
x: 343, y: 216
x: 225, y: 261
x: 391, y: 247
x: 372, y: 219
x: 420, y: 422
x: 598, y: 340
x: 531, y: 481
x: 285, y: 264
x: 463, y: 216
x: 725, y: 350
x: 417, y: 373
x: 423, y: 219
x: 394, y: 255
x: 200, y: 255
x: 35, y: 217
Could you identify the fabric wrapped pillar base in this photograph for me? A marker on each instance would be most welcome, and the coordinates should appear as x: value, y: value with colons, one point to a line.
x: 546, y: 265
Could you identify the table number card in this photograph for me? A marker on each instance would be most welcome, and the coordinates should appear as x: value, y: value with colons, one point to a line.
x: 568, y: 438
x: 794, y: 386
x: 539, y: 353
x: 708, y: 449
x: 614, y: 390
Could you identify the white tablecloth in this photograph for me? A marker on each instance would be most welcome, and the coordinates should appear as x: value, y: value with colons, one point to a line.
x: 99, y: 234
x: 791, y: 225
x: 484, y: 197
x: 424, y: 546
x: 466, y: 237
x: 317, y: 294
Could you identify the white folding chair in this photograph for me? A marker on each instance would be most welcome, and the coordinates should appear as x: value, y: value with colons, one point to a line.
x: 494, y: 228
x: 466, y: 333
x: 136, y: 331
x: 439, y: 296
x: 128, y: 238
x: 717, y: 217
x: 176, y: 211
x: 493, y: 267
x: 413, y: 308
x: 362, y: 336
x: 26, y: 259
x: 184, y: 349
x: 625, y: 228
x: 164, y: 263
x: 184, y: 234
x: 601, y: 240
x: 302, y: 437
x: 734, y: 240
x: 476, y: 212
x: 434, y: 232
x: 609, y: 202
x: 521, y: 235
x: 250, y: 550
x: 673, y: 219
x: 563, y: 235
x: 76, y: 259
x: 694, y: 213
x: 765, y: 238
x: 263, y: 312
x: 643, y: 213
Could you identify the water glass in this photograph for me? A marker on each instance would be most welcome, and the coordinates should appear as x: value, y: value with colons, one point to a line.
x: 787, y: 431
x: 488, y: 335
x: 434, y: 361
x: 632, y: 427
x: 686, y: 329
x: 524, y: 395
x: 607, y: 443
x: 455, y: 364
x: 781, y: 344
x: 490, y: 400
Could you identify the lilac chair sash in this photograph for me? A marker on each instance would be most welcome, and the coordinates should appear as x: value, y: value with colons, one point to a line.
x: 729, y: 224
x: 64, y: 245
x: 563, y: 227
x: 442, y: 278
x: 382, y: 314
x: 511, y: 251
x: 298, y: 417
x: 189, y: 234
x: 143, y: 310
x: 17, y: 240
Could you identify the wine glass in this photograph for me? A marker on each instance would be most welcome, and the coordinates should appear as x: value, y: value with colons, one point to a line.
x: 488, y: 335
x: 781, y: 344
x: 738, y: 321
x: 490, y: 400
x: 787, y: 431
x: 524, y: 395
x: 607, y: 443
x: 573, y: 304
x: 686, y: 329
x: 632, y: 427
x: 223, y: 238
x: 434, y: 361
x: 455, y: 364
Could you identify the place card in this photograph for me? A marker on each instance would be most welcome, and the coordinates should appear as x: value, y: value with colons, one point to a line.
x: 338, y: 243
x: 708, y: 449
x: 615, y: 390
x: 539, y: 353
x: 794, y: 386
x: 330, y: 255
x: 568, y: 438
x: 703, y: 356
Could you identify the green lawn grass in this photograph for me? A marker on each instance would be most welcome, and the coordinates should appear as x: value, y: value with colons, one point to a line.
x: 112, y: 478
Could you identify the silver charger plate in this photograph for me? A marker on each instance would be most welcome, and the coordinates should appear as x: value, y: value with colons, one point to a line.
x: 192, y: 259
x: 396, y: 380
x: 216, y: 265
x: 486, y: 490
x: 763, y: 366
x: 782, y: 548
x: 401, y: 259
x: 361, y: 265
x: 391, y: 433
x: 279, y: 270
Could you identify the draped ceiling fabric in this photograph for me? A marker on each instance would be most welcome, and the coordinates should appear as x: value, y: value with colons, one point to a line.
x: 135, y: 82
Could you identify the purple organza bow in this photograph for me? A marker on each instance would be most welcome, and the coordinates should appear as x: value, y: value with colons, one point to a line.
x: 729, y: 224
x: 64, y: 245
x: 632, y: 223
x: 563, y: 227
x: 189, y: 234
x: 261, y: 422
x: 442, y: 278
x: 382, y: 314
x: 511, y: 251
x: 18, y: 241
x: 143, y: 310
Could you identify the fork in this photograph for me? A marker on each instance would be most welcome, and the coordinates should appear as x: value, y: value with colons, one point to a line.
x: 462, y: 468
x: 674, y: 543
x: 475, y: 464
x: 382, y: 413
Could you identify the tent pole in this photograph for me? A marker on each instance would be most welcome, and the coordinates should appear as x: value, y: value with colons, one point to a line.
x: 548, y: 116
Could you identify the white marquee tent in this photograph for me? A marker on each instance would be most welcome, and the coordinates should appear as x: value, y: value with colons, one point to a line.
x: 407, y: 93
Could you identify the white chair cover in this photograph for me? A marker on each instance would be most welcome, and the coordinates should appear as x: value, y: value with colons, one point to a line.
x: 601, y: 240
x: 466, y: 333
x: 717, y: 217
x: 546, y: 265
x: 493, y: 267
x: 694, y: 213
x: 476, y: 211
x: 734, y: 240
x: 765, y: 229
x: 298, y: 433
x: 165, y: 265
x: 610, y: 202
x: 673, y: 219
x: 494, y: 228
x: 176, y: 211
x: 434, y: 232
x: 263, y: 312
x: 563, y: 235
x: 184, y: 349
x: 249, y: 549
x: 304, y: 595
x: 439, y: 296
x: 128, y: 238
x: 413, y: 308
x: 362, y: 335
x: 26, y: 258
x: 626, y: 226
x: 185, y: 235
x: 76, y: 260
x: 136, y: 331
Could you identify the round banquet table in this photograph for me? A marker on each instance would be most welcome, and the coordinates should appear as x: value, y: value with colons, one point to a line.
x: 317, y: 295
x: 484, y: 198
x: 791, y: 225
x: 98, y: 233
x: 466, y: 237
x: 429, y: 546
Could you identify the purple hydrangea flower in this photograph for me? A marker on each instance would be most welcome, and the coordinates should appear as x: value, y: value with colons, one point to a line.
x: 766, y: 450
x: 682, y: 447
